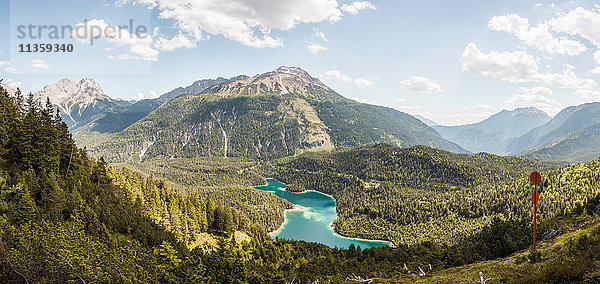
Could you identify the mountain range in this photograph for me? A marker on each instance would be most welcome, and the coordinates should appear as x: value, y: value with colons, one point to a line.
x: 286, y: 111
x: 279, y: 113
x: 492, y: 134
x: 571, y: 135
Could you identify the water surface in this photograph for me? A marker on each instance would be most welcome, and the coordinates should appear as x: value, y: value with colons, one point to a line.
x: 313, y: 222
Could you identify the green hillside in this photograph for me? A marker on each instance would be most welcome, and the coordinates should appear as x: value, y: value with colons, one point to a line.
x: 424, y: 194
x: 567, y: 121
x: 264, y: 117
x: 67, y: 218
x: 577, y: 147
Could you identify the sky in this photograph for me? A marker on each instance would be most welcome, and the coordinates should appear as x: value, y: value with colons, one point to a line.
x: 454, y: 62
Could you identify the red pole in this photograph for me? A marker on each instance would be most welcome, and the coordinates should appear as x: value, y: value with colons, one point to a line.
x: 534, y: 215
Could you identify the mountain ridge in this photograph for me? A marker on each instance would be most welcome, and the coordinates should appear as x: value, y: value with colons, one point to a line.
x: 569, y: 120
x: 491, y: 134
x: 77, y: 100
x: 277, y: 113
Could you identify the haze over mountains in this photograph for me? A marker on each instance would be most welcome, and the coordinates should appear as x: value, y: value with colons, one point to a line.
x: 572, y: 135
x: 492, y: 134
x: 286, y: 111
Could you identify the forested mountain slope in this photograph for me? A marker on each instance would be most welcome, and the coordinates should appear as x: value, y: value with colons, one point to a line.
x: 578, y: 147
x: 423, y: 194
x: 111, y: 120
x: 275, y: 114
x: 492, y: 134
x: 67, y: 218
x: 569, y: 120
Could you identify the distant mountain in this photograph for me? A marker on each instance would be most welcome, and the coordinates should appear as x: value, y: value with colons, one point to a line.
x: 77, y: 101
x: 429, y: 122
x: 279, y: 113
x: 493, y: 134
x: 577, y: 147
x: 195, y: 88
x: 569, y: 120
x: 119, y: 117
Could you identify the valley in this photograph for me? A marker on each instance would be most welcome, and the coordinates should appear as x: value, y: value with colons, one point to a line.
x: 199, y: 174
x: 299, y: 142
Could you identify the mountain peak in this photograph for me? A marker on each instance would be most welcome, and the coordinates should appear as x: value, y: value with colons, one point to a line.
x: 73, y: 97
x: 528, y: 110
x: 293, y: 71
x: 282, y: 80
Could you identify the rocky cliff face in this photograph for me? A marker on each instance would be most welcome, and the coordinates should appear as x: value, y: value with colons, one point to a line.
x: 284, y: 80
x: 77, y: 101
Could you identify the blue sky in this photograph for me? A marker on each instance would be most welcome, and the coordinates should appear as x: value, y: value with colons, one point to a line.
x: 454, y: 62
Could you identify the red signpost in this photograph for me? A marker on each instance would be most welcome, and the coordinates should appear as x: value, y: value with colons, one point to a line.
x: 536, y: 179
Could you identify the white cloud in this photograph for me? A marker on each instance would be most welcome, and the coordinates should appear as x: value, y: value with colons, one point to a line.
x: 356, y: 7
x: 240, y: 20
x: 513, y: 67
x: 536, y: 97
x: 336, y: 75
x: 401, y: 101
x: 13, y: 83
x: 416, y: 109
x: 7, y: 66
x: 580, y: 21
x: 124, y: 57
x: 176, y: 42
x: 141, y: 96
x: 366, y: 101
x: 39, y: 64
x: 315, y: 47
x: 363, y: 82
x: 588, y: 94
x: 138, y: 44
x: 145, y: 51
x: 421, y: 84
x: 480, y: 108
x: 517, y: 67
x: 320, y: 34
x: 538, y: 36
x: 597, y: 59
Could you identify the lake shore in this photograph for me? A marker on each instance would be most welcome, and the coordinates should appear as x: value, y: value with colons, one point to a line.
x: 301, y: 208
x: 294, y: 208
x: 390, y: 243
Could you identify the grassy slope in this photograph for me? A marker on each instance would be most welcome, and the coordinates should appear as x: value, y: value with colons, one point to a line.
x: 571, y: 257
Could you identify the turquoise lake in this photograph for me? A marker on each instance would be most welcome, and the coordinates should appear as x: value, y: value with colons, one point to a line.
x: 311, y: 224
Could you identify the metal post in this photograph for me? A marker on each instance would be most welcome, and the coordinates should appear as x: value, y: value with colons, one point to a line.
x: 534, y: 215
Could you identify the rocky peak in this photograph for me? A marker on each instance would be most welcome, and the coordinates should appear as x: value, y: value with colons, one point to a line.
x: 74, y: 98
x: 293, y: 72
x: 283, y: 80
x: 68, y: 93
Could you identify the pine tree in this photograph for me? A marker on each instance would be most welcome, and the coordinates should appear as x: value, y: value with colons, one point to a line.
x: 23, y: 208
